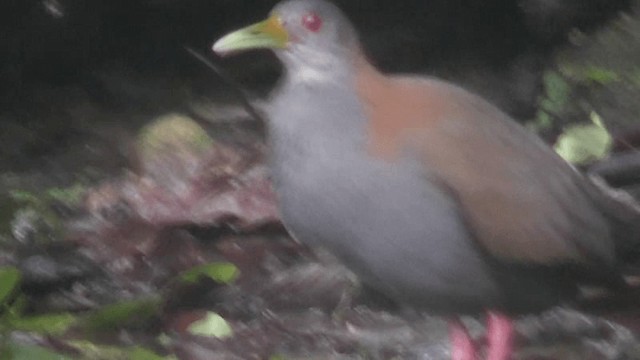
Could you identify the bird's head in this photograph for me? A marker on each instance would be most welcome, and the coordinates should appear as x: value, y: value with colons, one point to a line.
x: 307, y: 35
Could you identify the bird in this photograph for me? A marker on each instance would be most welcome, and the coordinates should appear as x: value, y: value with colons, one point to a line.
x: 428, y: 192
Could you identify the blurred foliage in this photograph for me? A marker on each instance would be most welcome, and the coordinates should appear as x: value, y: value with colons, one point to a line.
x: 9, y: 281
x: 70, y: 196
x: 28, y: 352
x: 119, y: 315
x: 556, y: 90
x: 221, y: 272
x: 173, y: 132
x: 211, y: 324
x: 47, y: 324
x: 8, y: 207
x: 131, y: 314
x: 38, y: 210
x: 584, y: 143
x: 92, y: 351
x: 12, y: 304
x: 35, y: 210
x: 590, y: 74
x: 591, y: 92
x: 603, y: 74
x: 122, y: 314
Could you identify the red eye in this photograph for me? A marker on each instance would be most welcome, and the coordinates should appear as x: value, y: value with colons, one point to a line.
x: 312, y: 22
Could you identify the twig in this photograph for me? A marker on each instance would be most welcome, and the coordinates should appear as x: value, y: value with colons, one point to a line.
x: 235, y: 86
x: 620, y: 169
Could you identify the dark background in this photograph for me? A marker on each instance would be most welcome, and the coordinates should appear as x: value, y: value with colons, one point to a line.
x: 497, y: 47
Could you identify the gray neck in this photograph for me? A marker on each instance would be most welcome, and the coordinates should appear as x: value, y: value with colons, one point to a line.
x: 317, y: 113
x: 313, y: 67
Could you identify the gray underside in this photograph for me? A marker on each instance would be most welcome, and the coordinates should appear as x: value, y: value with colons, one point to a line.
x: 390, y: 222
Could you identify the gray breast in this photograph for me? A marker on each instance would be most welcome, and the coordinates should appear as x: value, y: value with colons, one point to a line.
x: 363, y: 209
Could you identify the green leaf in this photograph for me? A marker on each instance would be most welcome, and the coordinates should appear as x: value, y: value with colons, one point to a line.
x: 28, y: 352
x: 24, y: 197
x: 51, y: 324
x: 600, y: 75
x: 124, y: 313
x: 219, y: 271
x: 211, y: 325
x: 93, y: 351
x: 557, y: 92
x: 589, y: 73
x: 71, y: 195
x: 580, y: 144
x: 164, y: 340
x: 9, y: 280
x: 139, y: 353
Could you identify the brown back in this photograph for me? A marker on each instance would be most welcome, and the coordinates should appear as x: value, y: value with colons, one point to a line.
x: 522, y: 202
